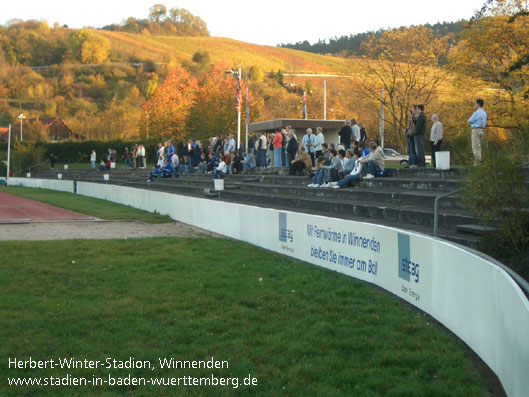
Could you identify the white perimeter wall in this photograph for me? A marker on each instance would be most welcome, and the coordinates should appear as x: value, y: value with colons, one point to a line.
x: 54, y: 184
x: 470, y: 295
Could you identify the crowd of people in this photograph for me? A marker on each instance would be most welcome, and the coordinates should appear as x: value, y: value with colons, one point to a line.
x: 134, y: 159
x: 329, y: 165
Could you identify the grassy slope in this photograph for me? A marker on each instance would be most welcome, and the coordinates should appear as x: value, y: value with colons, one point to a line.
x: 231, y: 52
x: 302, y: 331
x: 87, y: 205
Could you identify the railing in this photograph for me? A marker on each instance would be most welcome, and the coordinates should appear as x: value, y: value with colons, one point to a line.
x: 30, y: 167
x: 436, y: 208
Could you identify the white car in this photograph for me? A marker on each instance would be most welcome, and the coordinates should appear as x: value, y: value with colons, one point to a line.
x: 395, y: 158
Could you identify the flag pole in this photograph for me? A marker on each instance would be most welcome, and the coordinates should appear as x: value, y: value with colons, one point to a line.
x: 247, y: 116
x: 239, y: 114
x: 8, y: 151
x: 382, y: 119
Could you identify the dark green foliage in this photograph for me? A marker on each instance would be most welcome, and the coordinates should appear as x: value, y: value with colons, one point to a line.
x: 23, y: 156
x: 79, y: 152
x: 202, y: 58
x: 497, y: 194
x: 352, y: 45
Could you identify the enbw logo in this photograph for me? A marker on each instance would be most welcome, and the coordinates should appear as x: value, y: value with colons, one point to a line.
x: 285, y: 234
x: 407, y: 269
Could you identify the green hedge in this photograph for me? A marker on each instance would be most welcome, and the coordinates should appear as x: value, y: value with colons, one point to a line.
x: 79, y: 152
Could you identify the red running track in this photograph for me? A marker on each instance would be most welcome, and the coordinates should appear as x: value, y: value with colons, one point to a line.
x: 15, y: 209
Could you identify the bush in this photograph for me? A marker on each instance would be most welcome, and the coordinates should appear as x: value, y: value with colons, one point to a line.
x: 460, y: 149
x: 497, y: 195
x: 23, y: 156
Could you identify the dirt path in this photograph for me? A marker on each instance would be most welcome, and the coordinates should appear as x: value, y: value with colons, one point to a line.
x: 96, y: 230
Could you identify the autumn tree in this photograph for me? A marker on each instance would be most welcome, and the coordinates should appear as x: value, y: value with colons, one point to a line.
x: 170, y: 104
x: 403, y: 63
x: 494, y: 47
x: 214, y: 108
x: 157, y: 12
x: 95, y: 49
x: 75, y: 42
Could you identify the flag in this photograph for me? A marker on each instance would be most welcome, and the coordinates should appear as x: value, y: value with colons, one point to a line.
x: 238, y: 96
x: 247, y: 108
x: 304, y: 105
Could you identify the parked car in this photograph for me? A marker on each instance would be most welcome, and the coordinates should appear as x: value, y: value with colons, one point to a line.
x: 392, y: 157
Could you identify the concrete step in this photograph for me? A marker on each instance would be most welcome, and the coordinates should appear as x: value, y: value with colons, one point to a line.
x: 409, y: 197
x: 410, y: 218
x: 410, y: 213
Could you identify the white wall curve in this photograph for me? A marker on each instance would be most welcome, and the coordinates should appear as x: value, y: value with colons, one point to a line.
x: 472, y: 296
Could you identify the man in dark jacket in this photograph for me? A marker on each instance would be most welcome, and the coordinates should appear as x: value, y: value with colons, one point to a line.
x: 251, y: 144
x: 418, y: 136
x: 345, y: 133
x: 292, y: 147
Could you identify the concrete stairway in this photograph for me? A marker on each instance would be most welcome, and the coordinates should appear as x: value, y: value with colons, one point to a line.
x: 403, y: 199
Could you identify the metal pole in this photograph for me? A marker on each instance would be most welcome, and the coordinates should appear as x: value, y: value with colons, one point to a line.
x: 21, y: 129
x: 382, y: 119
x: 247, y: 118
x: 239, y: 116
x: 8, y: 151
x: 147, y: 125
x: 324, y: 99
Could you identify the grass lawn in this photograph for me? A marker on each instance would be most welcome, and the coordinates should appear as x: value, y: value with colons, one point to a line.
x: 301, y: 330
x: 87, y: 205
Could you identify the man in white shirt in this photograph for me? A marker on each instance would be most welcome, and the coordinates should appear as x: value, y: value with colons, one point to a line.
x: 231, y: 144
x: 175, y: 162
x: 356, y: 131
x: 478, y: 122
x: 319, y: 139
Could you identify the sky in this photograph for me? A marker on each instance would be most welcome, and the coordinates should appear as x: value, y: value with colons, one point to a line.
x: 265, y: 22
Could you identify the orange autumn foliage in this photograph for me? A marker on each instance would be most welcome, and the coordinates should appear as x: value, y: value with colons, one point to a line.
x: 171, y: 103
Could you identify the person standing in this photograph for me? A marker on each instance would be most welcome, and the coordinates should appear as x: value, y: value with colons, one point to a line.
x: 126, y: 158
x: 251, y: 144
x: 292, y: 147
x: 278, y: 145
x: 261, y: 150
x: 412, y: 156
x: 319, y: 140
x: 93, y: 159
x: 308, y: 142
x: 52, y: 160
x: 284, y: 160
x: 436, y: 136
x: 478, y: 122
x: 345, y: 134
x: 418, y: 135
x: 357, y: 136
x: 363, y: 133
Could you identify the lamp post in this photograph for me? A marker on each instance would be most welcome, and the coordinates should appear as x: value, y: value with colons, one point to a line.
x: 21, y: 117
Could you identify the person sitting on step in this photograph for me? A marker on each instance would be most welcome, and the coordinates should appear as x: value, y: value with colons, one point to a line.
x: 374, y: 161
x: 317, y: 179
x: 155, y: 173
x: 249, y: 161
x: 331, y: 171
x: 222, y: 169
x: 354, y: 175
x: 300, y: 163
